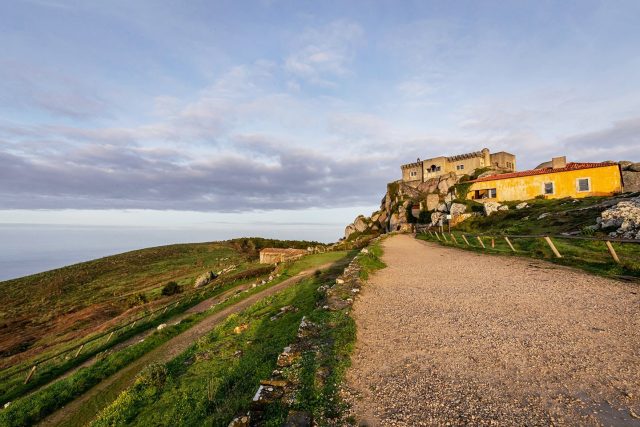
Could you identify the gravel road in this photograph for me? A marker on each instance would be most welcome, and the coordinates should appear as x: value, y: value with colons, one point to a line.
x: 450, y: 337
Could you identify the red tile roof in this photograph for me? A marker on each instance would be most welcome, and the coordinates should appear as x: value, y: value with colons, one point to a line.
x: 568, y: 167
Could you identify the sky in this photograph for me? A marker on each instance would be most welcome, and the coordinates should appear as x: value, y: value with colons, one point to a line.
x: 278, y: 113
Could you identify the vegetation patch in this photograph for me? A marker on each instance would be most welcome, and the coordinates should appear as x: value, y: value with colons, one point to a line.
x: 561, y: 219
x: 215, y: 379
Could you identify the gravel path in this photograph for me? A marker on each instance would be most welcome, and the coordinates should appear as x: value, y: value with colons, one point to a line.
x: 450, y: 337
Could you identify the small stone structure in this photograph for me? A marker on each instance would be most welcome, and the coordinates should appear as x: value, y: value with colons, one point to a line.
x: 277, y: 255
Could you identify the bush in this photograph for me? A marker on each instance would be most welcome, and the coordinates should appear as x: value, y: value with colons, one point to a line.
x: 171, y: 288
x: 153, y: 375
x: 424, y: 217
x: 138, y: 299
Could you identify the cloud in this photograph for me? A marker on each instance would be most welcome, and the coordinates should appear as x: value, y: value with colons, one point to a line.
x: 101, y: 177
x: 621, y: 139
x: 323, y: 53
x: 26, y: 86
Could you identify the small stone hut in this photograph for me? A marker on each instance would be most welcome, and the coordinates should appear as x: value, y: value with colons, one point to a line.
x: 276, y: 255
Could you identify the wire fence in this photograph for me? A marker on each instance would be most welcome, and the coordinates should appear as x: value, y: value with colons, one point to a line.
x: 610, y: 256
x: 24, y: 376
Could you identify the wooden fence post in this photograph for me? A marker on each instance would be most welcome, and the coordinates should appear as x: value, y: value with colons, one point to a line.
x: 165, y: 309
x: 430, y: 233
x: 109, y: 338
x: 436, y: 233
x: 30, y: 374
x: 444, y: 237
x: 481, y: 242
x: 78, y: 352
x: 454, y: 238
x: 553, y: 247
x: 612, y: 251
x: 509, y: 243
x: 493, y: 243
x: 465, y: 240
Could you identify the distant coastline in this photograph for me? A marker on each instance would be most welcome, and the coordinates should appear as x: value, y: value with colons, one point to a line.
x: 29, y: 249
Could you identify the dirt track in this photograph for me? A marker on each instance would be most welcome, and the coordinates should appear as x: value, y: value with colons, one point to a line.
x: 449, y: 337
x: 106, y: 391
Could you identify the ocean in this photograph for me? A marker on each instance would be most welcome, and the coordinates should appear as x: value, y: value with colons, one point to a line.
x: 28, y: 249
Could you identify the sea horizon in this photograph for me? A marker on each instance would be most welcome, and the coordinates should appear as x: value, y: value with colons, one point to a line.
x: 34, y: 248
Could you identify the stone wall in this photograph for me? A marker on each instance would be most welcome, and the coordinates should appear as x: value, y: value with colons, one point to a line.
x: 277, y: 255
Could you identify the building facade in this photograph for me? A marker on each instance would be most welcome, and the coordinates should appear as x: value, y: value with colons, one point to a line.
x: 462, y: 164
x: 277, y: 255
x: 560, y: 180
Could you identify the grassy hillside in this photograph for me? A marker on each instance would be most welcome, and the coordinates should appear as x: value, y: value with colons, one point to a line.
x: 33, y: 407
x: 567, y: 220
x: 62, y: 305
x: 564, y: 216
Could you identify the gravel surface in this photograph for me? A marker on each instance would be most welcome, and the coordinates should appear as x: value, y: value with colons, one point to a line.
x: 449, y: 337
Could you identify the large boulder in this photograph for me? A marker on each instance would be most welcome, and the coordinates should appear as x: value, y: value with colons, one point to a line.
x: 631, y: 181
x: 625, y: 217
x: 442, y: 207
x: 382, y: 220
x: 204, y: 279
x: 429, y: 186
x: 446, y: 182
x: 491, y: 207
x: 624, y: 164
x: 360, y: 224
x: 432, y: 201
x: 349, y: 230
x: 394, y: 222
x: 522, y: 205
x: 436, y: 216
x: 457, y: 209
x: 635, y: 167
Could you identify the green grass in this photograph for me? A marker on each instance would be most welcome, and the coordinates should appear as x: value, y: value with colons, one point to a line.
x: 371, y: 261
x: 591, y: 256
x: 60, y: 306
x: 215, y: 379
x: 12, y: 384
x: 39, y: 404
x: 566, y: 216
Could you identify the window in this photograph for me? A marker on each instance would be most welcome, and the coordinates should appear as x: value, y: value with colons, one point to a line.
x: 548, y: 188
x: 460, y: 167
x: 438, y: 169
x: 484, y: 194
x: 584, y: 184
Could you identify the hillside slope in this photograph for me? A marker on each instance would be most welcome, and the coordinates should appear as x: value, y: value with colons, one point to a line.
x: 62, y: 305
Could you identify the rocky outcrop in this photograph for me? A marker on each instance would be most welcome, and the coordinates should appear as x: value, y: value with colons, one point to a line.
x: 624, y: 217
x: 630, y: 176
x: 204, y: 279
x: 631, y: 181
x: 522, y: 205
x: 490, y: 207
x: 360, y: 224
x: 440, y: 184
x: 457, y: 209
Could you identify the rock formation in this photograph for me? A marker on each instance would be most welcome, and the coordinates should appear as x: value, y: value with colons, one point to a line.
x: 624, y: 217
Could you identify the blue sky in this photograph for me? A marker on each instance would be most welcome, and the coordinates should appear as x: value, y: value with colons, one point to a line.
x: 294, y: 111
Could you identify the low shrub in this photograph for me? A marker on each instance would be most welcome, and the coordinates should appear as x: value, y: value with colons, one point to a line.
x: 171, y: 288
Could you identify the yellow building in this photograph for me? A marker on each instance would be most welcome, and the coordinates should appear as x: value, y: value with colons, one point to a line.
x: 560, y: 180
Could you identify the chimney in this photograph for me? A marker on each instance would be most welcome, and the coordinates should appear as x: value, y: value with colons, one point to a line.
x: 559, y: 162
